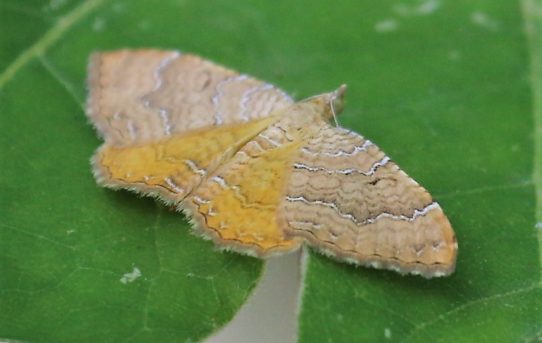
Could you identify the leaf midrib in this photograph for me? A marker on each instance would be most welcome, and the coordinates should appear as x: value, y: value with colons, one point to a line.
x: 47, y: 39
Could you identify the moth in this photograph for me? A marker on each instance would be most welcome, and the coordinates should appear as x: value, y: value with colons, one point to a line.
x: 255, y: 171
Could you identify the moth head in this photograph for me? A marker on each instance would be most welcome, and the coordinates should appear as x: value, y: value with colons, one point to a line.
x: 336, y: 102
x: 330, y: 104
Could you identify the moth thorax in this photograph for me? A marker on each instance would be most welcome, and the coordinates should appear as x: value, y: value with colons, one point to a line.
x: 300, y: 118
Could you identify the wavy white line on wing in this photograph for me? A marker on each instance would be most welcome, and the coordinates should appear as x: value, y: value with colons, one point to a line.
x: 347, y: 171
x: 417, y: 212
x: 357, y: 149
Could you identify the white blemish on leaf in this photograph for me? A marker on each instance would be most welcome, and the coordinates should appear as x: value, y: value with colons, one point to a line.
x: 538, y: 226
x: 207, y: 277
x: 69, y: 232
x: 386, y: 25
x: 485, y: 21
x: 428, y: 7
x: 420, y: 8
x: 98, y: 24
x: 387, y: 333
x: 131, y: 276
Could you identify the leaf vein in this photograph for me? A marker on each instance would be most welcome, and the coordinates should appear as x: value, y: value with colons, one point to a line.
x: 152, y: 282
x: 50, y: 37
x: 485, y: 189
x: 68, y: 87
x: 38, y: 237
x: 422, y: 326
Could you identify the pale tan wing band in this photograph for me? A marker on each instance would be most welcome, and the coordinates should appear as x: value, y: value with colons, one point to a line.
x: 349, y: 200
x: 137, y: 96
x: 117, y: 81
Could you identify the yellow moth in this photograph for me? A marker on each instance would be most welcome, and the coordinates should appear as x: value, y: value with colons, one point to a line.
x: 255, y: 171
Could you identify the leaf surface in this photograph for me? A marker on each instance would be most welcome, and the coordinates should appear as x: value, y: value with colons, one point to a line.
x: 444, y: 87
x: 79, y: 262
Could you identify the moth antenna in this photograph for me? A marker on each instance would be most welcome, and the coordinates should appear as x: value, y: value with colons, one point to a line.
x: 333, y: 110
x: 337, y: 96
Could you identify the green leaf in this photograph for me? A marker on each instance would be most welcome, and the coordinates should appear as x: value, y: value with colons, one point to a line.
x: 80, y: 263
x: 442, y: 86
x: 446, y: 94
x: 532, y: 10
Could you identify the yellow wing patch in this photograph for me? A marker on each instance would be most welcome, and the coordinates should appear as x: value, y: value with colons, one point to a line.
x: 237, y: 206
x: 173, y: 167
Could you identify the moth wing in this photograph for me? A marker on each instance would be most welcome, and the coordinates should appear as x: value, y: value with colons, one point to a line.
x: 136, y: 96
x: 350, y: 201
x: 169, y: 119
x: 237, y: 205
x: 172, y: 167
